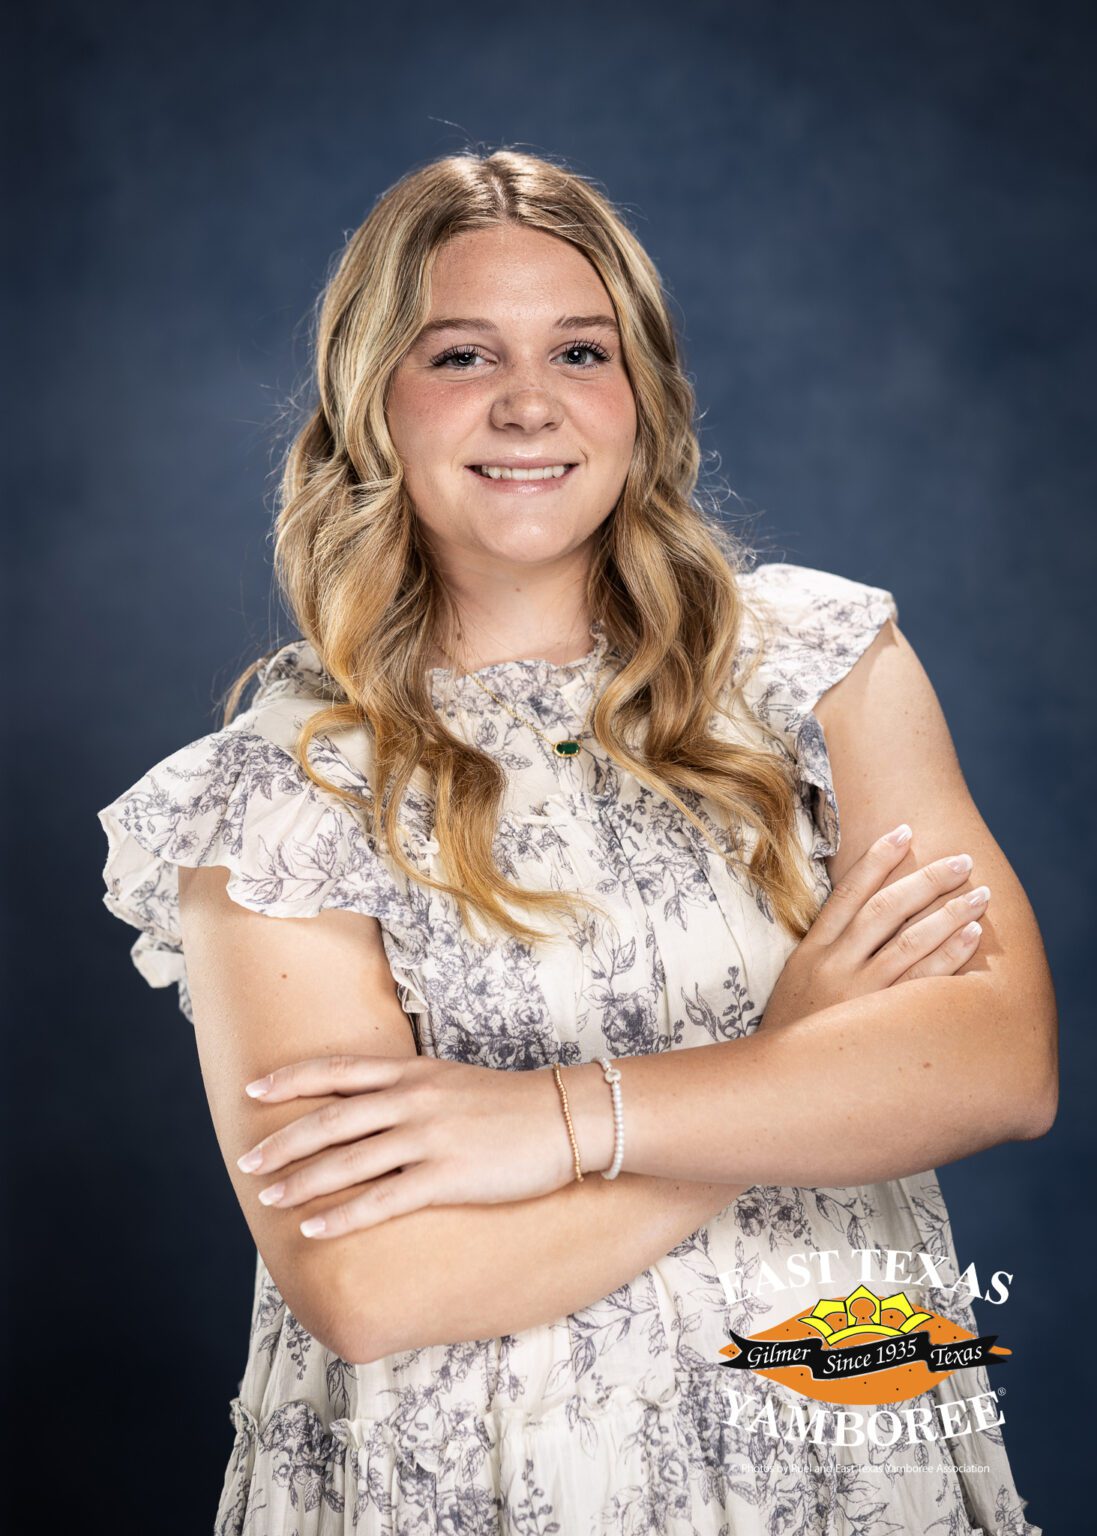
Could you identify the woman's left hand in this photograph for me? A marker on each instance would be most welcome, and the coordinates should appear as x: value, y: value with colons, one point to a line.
x: 423, y: 1130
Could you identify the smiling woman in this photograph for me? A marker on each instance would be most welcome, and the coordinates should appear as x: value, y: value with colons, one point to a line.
x: 502, y: 1176
x: 516, y: 438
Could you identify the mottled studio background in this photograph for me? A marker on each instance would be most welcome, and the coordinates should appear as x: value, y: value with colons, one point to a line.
x: 877, y: 226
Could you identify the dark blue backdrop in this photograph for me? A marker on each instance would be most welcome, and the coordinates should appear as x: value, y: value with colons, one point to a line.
x: 877, y: 223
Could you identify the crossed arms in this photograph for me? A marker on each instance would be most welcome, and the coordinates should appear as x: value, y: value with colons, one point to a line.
x: 886, y: 1084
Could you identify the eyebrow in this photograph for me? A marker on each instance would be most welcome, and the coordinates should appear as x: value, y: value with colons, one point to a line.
x: 565, y: 323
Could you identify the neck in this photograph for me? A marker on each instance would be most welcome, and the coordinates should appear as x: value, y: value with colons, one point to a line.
x: 479, y: 650
x: 518, y: 621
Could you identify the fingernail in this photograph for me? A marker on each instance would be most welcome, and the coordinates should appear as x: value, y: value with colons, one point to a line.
x: 979, y: 896
x: 260, y: 1086
x: 249, y: 1162
x: 961, y: 863
x: 272, y: 1193
x: 313, y: 1226
x: 902, y: 834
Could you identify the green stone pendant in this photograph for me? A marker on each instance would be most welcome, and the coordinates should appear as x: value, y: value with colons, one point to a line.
x: 566, y: 748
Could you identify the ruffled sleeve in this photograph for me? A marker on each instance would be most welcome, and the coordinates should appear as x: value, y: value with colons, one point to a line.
x: 816, y: 625
x: 238, y: 798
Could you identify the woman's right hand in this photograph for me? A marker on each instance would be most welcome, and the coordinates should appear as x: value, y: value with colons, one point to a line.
x: 858, y: 943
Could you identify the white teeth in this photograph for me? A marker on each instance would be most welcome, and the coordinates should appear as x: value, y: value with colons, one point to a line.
x: 549, y: 472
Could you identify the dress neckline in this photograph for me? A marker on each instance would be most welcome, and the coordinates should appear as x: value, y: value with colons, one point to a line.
x: 298, y: 659
x: 530, y: 668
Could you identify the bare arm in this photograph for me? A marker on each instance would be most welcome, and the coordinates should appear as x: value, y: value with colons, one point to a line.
x: 265, y: 991
x: 875, y: 1088
x: 886, y: 1084
x: 514, y: 1266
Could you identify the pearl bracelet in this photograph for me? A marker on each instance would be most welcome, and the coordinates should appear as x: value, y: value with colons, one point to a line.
x: 612, y: 1075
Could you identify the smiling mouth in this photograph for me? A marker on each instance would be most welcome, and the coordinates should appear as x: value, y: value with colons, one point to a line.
x: 499, y: 472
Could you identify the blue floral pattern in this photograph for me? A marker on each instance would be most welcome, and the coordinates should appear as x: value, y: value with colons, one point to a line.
x: 616, y: 1420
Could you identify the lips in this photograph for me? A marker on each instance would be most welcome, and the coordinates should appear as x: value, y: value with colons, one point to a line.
x: 510, y: 481
x: 521, y: 461
x: 543, y: 470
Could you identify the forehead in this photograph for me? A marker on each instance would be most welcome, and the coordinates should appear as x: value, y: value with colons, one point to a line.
x: 516, y: 269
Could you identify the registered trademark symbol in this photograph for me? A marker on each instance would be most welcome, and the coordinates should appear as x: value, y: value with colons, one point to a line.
x: 1001, y: 1391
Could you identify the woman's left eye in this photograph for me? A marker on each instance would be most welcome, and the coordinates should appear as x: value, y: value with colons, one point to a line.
x: 465, y: 355
x: 589, y: 346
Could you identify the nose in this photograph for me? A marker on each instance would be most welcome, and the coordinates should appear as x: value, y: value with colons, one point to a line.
x: 530, y: 408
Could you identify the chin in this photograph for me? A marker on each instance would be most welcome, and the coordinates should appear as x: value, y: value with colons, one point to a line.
x: 530, y: 551
x: 528, y: 539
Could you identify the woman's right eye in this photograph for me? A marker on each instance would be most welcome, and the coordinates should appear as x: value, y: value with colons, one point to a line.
x: 462, y: 353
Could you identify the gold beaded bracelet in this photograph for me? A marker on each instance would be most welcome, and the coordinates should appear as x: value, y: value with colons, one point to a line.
x: 567, y: 1116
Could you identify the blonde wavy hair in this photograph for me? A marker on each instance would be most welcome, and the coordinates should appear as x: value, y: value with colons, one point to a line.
x: 354, y: 572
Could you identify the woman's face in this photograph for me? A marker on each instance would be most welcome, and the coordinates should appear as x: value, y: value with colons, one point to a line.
x: 526, y: 367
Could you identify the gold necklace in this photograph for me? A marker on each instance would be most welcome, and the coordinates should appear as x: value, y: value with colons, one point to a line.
x: 570, y: 745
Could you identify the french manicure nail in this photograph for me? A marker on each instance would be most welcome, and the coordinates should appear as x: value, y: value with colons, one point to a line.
x: 270, y: 1195
x: 902, y: 834
x: 249, y: 1162
x: 961, y: 863
x: 260, y: 1086
x: 977, y: 897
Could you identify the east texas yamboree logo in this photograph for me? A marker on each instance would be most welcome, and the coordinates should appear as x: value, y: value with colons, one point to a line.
x: 862, y: 1348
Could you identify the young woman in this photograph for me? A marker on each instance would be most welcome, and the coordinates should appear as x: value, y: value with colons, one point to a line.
x: 546, y: 778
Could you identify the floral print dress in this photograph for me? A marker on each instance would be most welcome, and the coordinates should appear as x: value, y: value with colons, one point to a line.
x: 619, y: 1418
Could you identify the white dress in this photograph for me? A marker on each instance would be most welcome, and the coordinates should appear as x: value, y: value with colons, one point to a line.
x: 618, y: 1418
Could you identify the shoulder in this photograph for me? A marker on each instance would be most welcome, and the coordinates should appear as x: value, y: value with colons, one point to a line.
x: 804, y: 630
x: 239, y: 797
x: 802, y: 609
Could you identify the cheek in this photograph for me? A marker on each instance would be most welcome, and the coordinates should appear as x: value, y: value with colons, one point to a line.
x: 617, y: 404
x: 617, y: 422
x: 407, y: 413
x: 437, y: 422
x: 416, y: 415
